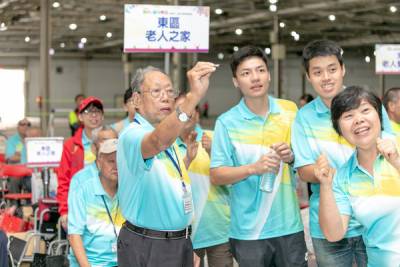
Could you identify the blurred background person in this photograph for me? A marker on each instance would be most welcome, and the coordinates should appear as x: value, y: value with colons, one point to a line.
x: 77, y: 150
x: 391, y: 101
x: 130, y: 108
x: 211, y: 202
x: 304, y: 99
x: 73, y: 120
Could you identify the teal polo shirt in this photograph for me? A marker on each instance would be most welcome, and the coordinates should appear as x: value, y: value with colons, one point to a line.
x: 211, y: 202
x: 150, y: 190
x: 16, y: 143
x: 88, y: 217
x: 241, y: 138
x: 373, y: 201
x: 89, y: 156
x: 313, y: 134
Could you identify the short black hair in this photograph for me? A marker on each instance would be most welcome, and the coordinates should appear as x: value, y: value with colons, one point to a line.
x: 321, y: 48
x: 391, y: 95
x: 350, y: 98
x: 78, y: 96
x: 245, y: 52
x: 307, y: 97
x: 128, y: 94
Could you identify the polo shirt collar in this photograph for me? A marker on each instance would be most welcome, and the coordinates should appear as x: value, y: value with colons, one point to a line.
x: 320, y: 106
x: 85, y: 140
x: 97, y: 186
x: 142, y: 121
x: 355, y: 165
x: 273, y: 108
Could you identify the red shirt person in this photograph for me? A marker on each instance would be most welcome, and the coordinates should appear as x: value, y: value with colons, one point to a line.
x: 77, y: 150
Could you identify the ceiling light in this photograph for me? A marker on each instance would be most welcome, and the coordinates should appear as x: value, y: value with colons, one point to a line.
x: 393, y: 9
x: 103, y: 17
x: 273, y: 8
x: 267, y: 50
x: 367, y: 59
x: 238, y: 31
x: 73, y: 26
x: 236, y: 48
x: 375, y: 53
x: 297, y: 37
x: 218, y: 11
x: 3, y: 27
x: 83, y: 40
x: 273, y: 1
x: 27, y: 39
x: 62, y: 45
x: 220, y: 56
x: 282, y: 24
x: 109, y: 34
x: 52, y: 52
x: 81, y: 45
x: 56, y: 4
x: 332, y: 17
x: 293, y: 33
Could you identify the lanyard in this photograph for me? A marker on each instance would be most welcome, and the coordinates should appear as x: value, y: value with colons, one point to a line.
x: 109, y: 215
x: 177, y: 165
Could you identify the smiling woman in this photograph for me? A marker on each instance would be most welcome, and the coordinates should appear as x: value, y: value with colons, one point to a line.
x: 12, y: 100
x: 367, y: 186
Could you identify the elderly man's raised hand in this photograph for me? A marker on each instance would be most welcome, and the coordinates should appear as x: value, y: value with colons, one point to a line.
x: 199, y: 78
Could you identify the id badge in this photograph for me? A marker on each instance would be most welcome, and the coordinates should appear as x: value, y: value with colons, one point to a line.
x: 114, y: 247
x: 187, y: 202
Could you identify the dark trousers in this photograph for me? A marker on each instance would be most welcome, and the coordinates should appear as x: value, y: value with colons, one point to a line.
x: 3, y: 249
x: 142, y: 251
x: 341, y: 253
x: 283, y: 251
x: 217, y: 256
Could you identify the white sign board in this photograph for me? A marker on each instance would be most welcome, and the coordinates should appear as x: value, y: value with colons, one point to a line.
x: 44, y: 151
x: 158, y: 28
x: 387, y: 59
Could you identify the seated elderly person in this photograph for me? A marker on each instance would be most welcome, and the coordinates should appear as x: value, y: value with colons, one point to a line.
x: 16, y: 154
x: 367, y: 186
x: 94, y: 217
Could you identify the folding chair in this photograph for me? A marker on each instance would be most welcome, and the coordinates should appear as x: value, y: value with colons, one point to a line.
x: 16, y: 171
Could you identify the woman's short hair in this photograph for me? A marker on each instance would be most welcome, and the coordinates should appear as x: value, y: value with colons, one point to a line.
x: 349, y: 99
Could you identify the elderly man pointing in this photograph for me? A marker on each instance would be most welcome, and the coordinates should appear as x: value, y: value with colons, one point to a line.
x: 154, y: 188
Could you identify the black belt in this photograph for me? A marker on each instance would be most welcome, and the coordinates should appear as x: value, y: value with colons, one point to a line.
x: 159, y: 234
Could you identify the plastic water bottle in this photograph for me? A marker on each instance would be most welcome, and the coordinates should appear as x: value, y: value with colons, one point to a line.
x: 267, y: 182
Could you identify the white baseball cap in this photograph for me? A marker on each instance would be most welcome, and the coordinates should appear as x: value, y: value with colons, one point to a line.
x: 108, y: 146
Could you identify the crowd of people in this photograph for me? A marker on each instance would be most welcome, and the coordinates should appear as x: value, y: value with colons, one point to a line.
x: 156, y: 189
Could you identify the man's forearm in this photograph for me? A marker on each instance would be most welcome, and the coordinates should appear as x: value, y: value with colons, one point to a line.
x: 230, y: 175
x: 306, y: 174
x: 165, y: 133
x: 79, y: 250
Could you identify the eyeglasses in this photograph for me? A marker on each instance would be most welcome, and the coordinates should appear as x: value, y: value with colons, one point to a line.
x: 156, y: 93
x: 92, y: 112
x: 24, y: 124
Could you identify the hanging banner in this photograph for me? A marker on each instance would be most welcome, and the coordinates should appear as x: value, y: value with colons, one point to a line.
x: 387, y: 59
x: 158, y: 28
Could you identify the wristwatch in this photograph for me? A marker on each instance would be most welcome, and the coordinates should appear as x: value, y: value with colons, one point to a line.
x: 182, y: 116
